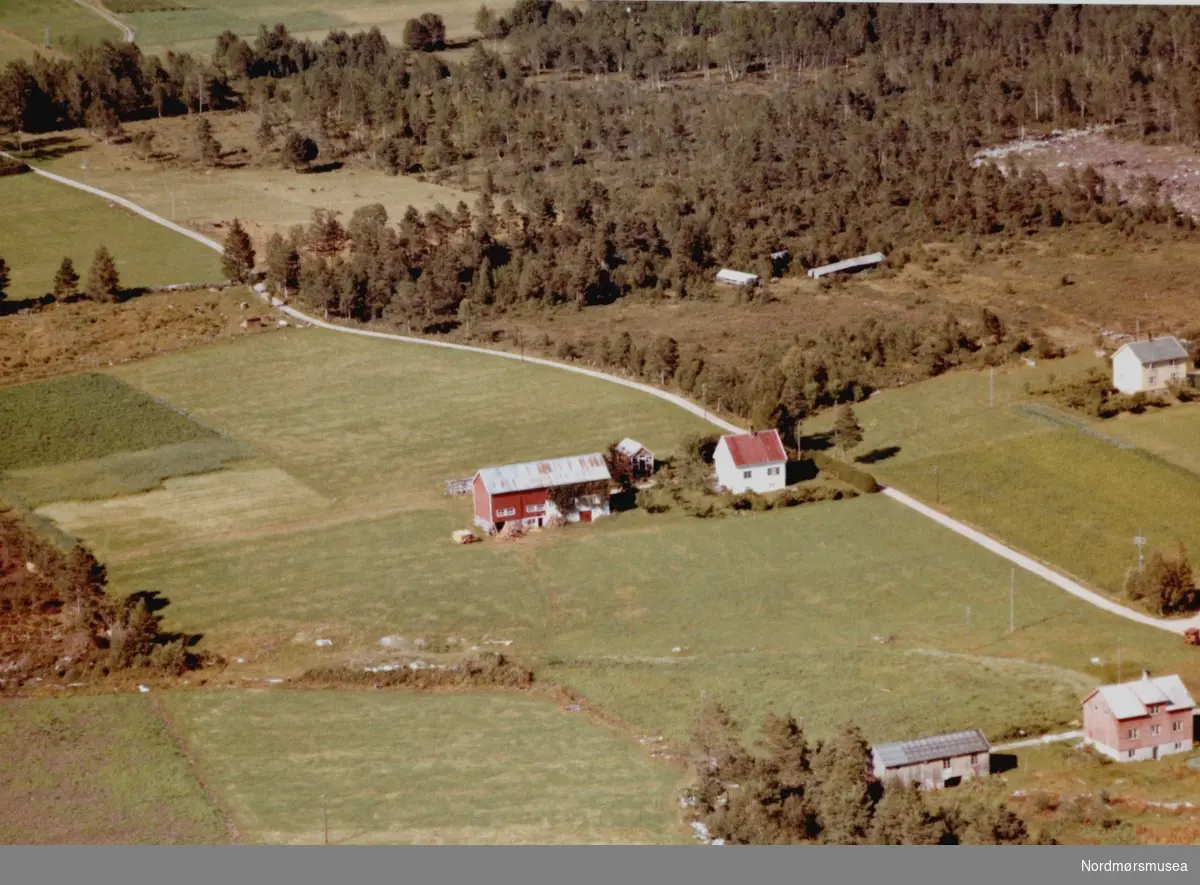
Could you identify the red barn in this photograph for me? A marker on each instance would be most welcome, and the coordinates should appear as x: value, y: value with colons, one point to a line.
x: 1144, y: 719
x: 521, y: 492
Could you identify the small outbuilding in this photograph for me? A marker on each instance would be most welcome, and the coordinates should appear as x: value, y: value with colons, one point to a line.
x: 751, y: 462
x: 737, y: 278
x: 850, y: 265
x: 1145, y: 366
x: 636, y: 458
x: 941, y: 760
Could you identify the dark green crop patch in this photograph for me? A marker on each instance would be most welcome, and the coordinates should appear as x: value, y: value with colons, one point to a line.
x: 85, y: 416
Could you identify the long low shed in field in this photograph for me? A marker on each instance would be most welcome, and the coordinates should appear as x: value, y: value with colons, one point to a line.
x: 937, y: 761
x: 736, y: 278
x: 850, y: 264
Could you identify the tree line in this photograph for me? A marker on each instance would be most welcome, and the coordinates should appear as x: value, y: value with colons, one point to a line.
x: 103, y: 281
x: 57, y: 619
x: 797, y: 791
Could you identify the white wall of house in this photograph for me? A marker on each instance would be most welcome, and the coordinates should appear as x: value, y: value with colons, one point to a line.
x: 759, y: 478
x: 592, y: 504
x: 1142, y: 753
x: 1131, y: 376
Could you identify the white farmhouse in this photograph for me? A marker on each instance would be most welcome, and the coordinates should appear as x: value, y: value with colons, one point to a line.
x: 751, y: 462
x: 1143, y: 366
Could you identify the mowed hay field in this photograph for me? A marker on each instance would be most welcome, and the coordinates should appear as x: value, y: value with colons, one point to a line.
x: 42, y: 222
x: 1055, y: 485
x: 403, y: 768
x: 342, y: 531
x: 195, y: 24
x: 69, y: 23
x: 97, y: 770
x: 267, y: 197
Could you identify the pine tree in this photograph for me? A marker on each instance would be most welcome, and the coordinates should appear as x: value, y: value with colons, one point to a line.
x: 901, y: 818
x: 207, y: 145
x: 299, y: 151
x: 65, y: 280
x: 842, y: 791
x: 103, y: 281
x: 847, y: 432
x: 238, y: 258
x: 4, y: 278
x: 283, y: 265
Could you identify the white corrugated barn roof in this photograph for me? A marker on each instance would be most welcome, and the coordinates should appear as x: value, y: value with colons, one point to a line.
x: 545, y: 474
x: 1129, y: 700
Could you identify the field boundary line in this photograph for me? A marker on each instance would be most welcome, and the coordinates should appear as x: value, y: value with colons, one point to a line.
x: 1003, y: 550
x: 98, y: 10
x: 185, y: 751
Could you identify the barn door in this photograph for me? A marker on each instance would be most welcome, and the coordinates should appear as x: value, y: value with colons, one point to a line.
x: 585, y: 516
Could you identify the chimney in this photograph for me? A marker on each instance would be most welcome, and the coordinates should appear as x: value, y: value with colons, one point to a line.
x: 1145, y: 675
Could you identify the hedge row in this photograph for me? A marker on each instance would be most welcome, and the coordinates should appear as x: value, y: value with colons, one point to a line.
x: 482, y: 669
x: 853, y: 476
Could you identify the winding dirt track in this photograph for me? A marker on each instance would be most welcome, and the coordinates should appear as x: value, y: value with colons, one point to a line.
x: 1000, y: 549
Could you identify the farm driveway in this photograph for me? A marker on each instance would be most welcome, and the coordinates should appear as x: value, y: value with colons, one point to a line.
x: 1000, y: 549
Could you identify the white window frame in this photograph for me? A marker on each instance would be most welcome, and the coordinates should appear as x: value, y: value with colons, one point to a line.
x: 535, y: 508
x: 974, y: 758
x: 1129, y: 754
x: 945, y: 765
x: 507, y: 511
x: 1177, y: 725
x: 746, y: 474
x: 1134, y: 733
x: 772, y: 471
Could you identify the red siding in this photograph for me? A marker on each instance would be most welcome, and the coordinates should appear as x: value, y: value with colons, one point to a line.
x: 1100, y: 725
x: 518, y: 501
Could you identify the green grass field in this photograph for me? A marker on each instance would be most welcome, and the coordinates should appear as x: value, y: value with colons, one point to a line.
x: 97, y: 770
x: 83, y: 417
x: 1053, y: 489
x: 266, y: 197
x: 68, y: 23
x: 346, y: 535
x: 400, y: 768
x: 195, y: 25
x: 44, y: 222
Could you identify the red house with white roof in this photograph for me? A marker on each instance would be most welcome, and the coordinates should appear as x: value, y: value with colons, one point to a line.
x: 751, y: 462
x: 520, y: 493
x: 1144, y: 719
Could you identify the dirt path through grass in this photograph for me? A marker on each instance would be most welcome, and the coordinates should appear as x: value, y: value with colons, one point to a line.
x: 95, y: 9
x: 1000, y: 549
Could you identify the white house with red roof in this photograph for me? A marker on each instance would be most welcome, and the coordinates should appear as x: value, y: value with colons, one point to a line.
x: 751, y: 462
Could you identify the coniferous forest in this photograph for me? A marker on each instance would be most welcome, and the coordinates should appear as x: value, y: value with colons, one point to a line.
x: 629, y: 150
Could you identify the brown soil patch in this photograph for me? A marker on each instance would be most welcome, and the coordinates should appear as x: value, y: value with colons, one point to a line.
x: 65, y: 338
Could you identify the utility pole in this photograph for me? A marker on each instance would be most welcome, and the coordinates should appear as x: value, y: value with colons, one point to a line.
x: 84, y: 167
x: 1118, y: 659
x: 1140, y: 541
x: 1012, y: 601
x: 325, y: 816
x: 47, y: 37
